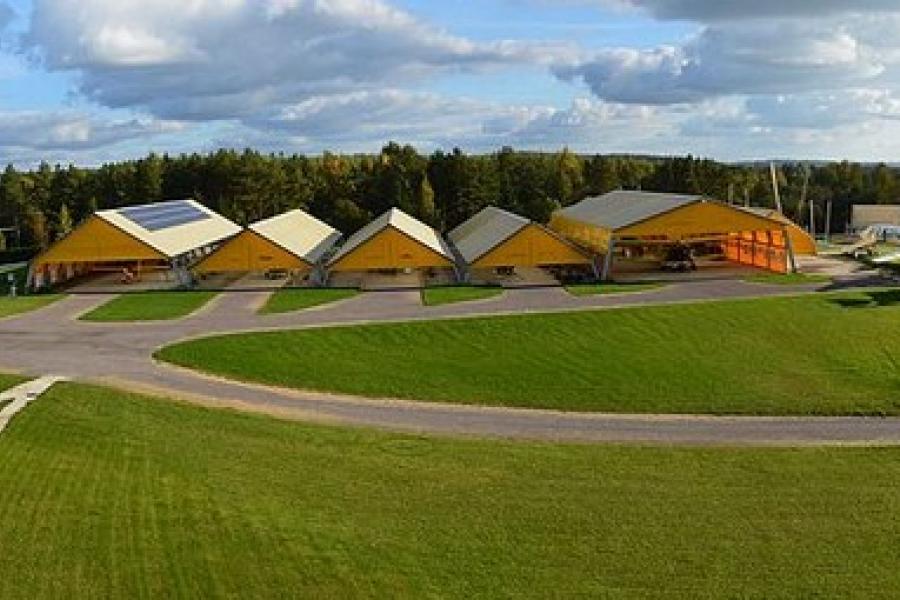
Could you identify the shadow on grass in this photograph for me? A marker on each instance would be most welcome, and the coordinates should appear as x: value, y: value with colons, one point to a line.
x: 873, y: 299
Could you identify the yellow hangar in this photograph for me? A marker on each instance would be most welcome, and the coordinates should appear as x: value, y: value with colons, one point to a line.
x: 162, y: 238
x: 496, y: 239
x: 624, y: 224
x: 294, y: 242
x: 393, y: 241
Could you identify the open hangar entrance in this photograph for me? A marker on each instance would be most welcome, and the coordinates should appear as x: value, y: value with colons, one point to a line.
x: 650, y: 234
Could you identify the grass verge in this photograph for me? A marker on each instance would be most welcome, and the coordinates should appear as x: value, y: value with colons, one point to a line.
x: 149, y: 306
x: 824, y: 355
x: 22, y: 304
x: 437, y: 296
x: 789, y: 278
x: 597, y: 289
x: 294, y: 299
x: 104, y: 494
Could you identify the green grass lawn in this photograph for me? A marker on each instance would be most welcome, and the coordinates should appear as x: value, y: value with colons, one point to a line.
x: 451, y: 294
x: 290, y: 300
x: 789, y: 278
x: 21, y: 304
x: 150, y: 306
x: 827, y: 355
x: 597, y: 289
x: 120, y: 496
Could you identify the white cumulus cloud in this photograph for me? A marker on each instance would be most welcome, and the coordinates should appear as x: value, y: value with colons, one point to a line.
x: 213, y: 59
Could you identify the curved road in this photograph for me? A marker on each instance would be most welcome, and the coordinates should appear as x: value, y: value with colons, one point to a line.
x: 52, y: 341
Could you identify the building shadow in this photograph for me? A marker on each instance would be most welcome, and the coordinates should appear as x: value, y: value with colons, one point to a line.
x: 871, y: 299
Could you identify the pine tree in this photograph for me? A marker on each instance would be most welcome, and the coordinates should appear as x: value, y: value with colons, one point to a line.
x: 425, y: 208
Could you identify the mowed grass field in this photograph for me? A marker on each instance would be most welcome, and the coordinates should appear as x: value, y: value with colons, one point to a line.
x: 451, y: 294
x: 291, y: 300
x: 789, y: 278
x: 104, y: 494
x: 10, y: 307
x: 822, y: 355
x: 150, y: 306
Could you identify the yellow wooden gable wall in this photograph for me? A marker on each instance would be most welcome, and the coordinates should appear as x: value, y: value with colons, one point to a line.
x: 250, y: 252
x: 390, y: 249
x: 697, y: 219
x: 532, y: 246
x: 97, y: 241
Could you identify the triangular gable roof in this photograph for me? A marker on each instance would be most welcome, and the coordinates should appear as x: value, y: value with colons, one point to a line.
x: 485, y: 231
x: 622, y: 208
x: 173, y: 228
x: 402, y: 222
x: 299, y: 233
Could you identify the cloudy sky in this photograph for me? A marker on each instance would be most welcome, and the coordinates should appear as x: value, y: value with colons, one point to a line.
x: 91, y: 80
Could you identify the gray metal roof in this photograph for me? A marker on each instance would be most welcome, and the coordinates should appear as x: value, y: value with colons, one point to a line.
x: 485, y: 231
x: 863, y: 215
x: 619, y: 209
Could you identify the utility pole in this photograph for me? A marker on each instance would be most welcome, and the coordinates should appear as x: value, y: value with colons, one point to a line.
x: 828, y: 223
x: 804, y: 193
x: 812, y: 219
x: 775, y: 189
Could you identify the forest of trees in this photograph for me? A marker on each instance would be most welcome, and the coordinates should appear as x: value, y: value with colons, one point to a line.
x: 443, y: 189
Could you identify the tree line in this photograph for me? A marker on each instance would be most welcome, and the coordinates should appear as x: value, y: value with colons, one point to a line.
x: 443, y: 189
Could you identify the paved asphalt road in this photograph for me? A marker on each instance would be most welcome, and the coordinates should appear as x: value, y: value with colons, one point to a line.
x: 52, y: 341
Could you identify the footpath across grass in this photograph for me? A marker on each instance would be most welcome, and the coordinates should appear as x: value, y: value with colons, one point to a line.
x: 598, y: 289
x: 110, y: 495
x: 9, y: 381
x: 294, y: 299
x: 22, y: 304
x: 811, y: 355
x: 451, y: 294
x: 150, y: 306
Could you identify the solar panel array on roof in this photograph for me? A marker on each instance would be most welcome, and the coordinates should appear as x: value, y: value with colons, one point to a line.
x: 156, y: 217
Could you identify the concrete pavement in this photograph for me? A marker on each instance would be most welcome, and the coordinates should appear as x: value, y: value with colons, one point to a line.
x: 53, y: 340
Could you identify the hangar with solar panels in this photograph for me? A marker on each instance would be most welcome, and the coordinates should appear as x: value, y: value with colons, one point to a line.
x: 151, y: 244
